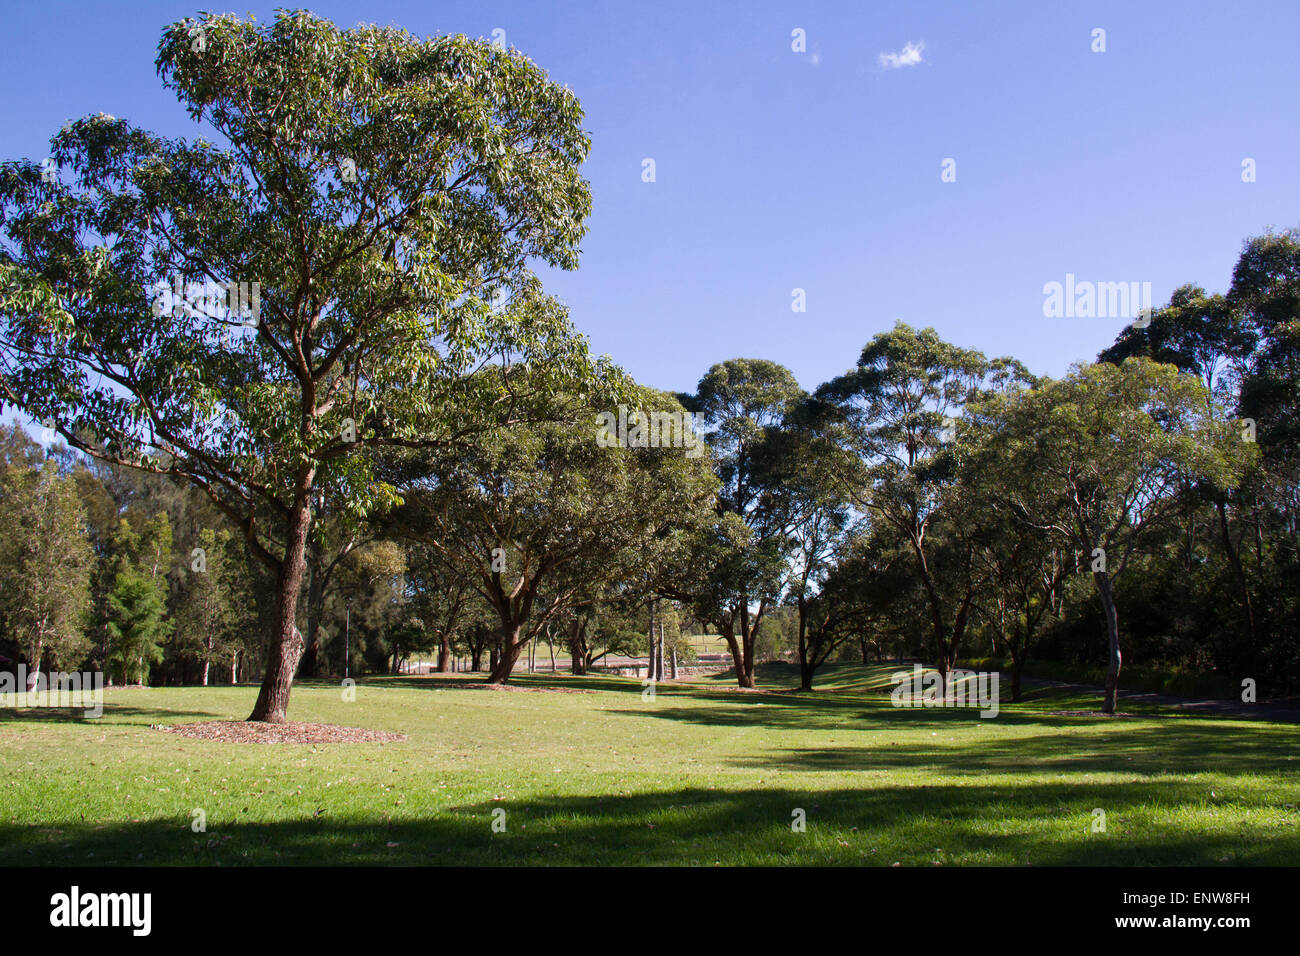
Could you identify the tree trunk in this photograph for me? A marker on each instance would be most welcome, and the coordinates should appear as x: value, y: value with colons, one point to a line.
x: 310, y: 665
x: 743, y: 679
x: 1102, y: 580
x: 659, y: 654
x: 504, y: 663
x: 1239, y: 572
x: 207, y: 658
x: 577, y: 649
x: 650, y: 660
x: 805, y: 665
x: 444, y: 653
x: 286, y: 642
x: 34, y: 665
x: 805, y: 670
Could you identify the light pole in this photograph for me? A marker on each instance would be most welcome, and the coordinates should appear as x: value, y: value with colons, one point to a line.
x: 347, y: 638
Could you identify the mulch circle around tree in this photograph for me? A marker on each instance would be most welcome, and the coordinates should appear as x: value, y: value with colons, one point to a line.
x: 290, y: 732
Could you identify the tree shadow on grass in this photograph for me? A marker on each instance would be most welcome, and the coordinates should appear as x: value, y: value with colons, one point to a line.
x: 1149, y: 750
x: 969, y: 744
x: 75, y: 715
x: 1040, y: 823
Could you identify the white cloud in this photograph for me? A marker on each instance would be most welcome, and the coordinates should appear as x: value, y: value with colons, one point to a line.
x: 910, y: 55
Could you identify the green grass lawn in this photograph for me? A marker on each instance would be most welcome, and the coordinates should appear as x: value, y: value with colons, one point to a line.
x: 701, y: 775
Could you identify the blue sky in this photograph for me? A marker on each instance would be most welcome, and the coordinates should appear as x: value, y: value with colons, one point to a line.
x: 820, y: 170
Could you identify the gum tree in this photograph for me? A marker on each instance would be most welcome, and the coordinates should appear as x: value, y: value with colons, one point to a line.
x: 741, y: 559
x: 542, y: 517
x: 894, y: 414
x: 1099, y: 459
x: 377, y: 201
x: 45, y: 565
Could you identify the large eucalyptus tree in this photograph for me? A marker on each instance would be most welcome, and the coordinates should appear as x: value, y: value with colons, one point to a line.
x: 1098, y: 460
x: 741, y: 560
x: 252, y: 315
x: 895, y: 416
x: 541, y: 518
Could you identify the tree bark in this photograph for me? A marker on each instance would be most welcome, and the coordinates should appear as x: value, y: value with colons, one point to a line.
x: 1238, y: 571
x: 505, y: 662
x: 286, y: 641
x: 805, y: 668
x: 1116, y: 662
x: 315, y: 602
x: 34, y: 665
x: 578, y: 648
x: 743, y: 679
x: 444, y: 653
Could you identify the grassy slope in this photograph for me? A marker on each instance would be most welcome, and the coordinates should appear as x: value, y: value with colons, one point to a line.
x: 701, y: 775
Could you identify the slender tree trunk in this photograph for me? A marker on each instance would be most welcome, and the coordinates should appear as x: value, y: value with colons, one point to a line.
x: 659, y: 654
x: 805, y: 668
x: 650, y: 659
x: 1240, y: 572
x: 746, y: 648
x: 310, y: 665
x: 34, y: 664
x: 286, y: 642
x: 1116, y: 662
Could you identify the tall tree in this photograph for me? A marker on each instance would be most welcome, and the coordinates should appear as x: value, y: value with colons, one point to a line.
x: 540, y: 516
x: 742, y: 559
x: 45, y: 565
x: 895, y: 414
x: 136, y: 625
x: 373, y: 196
x: 208, y: 610
x: 1098, y: 459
